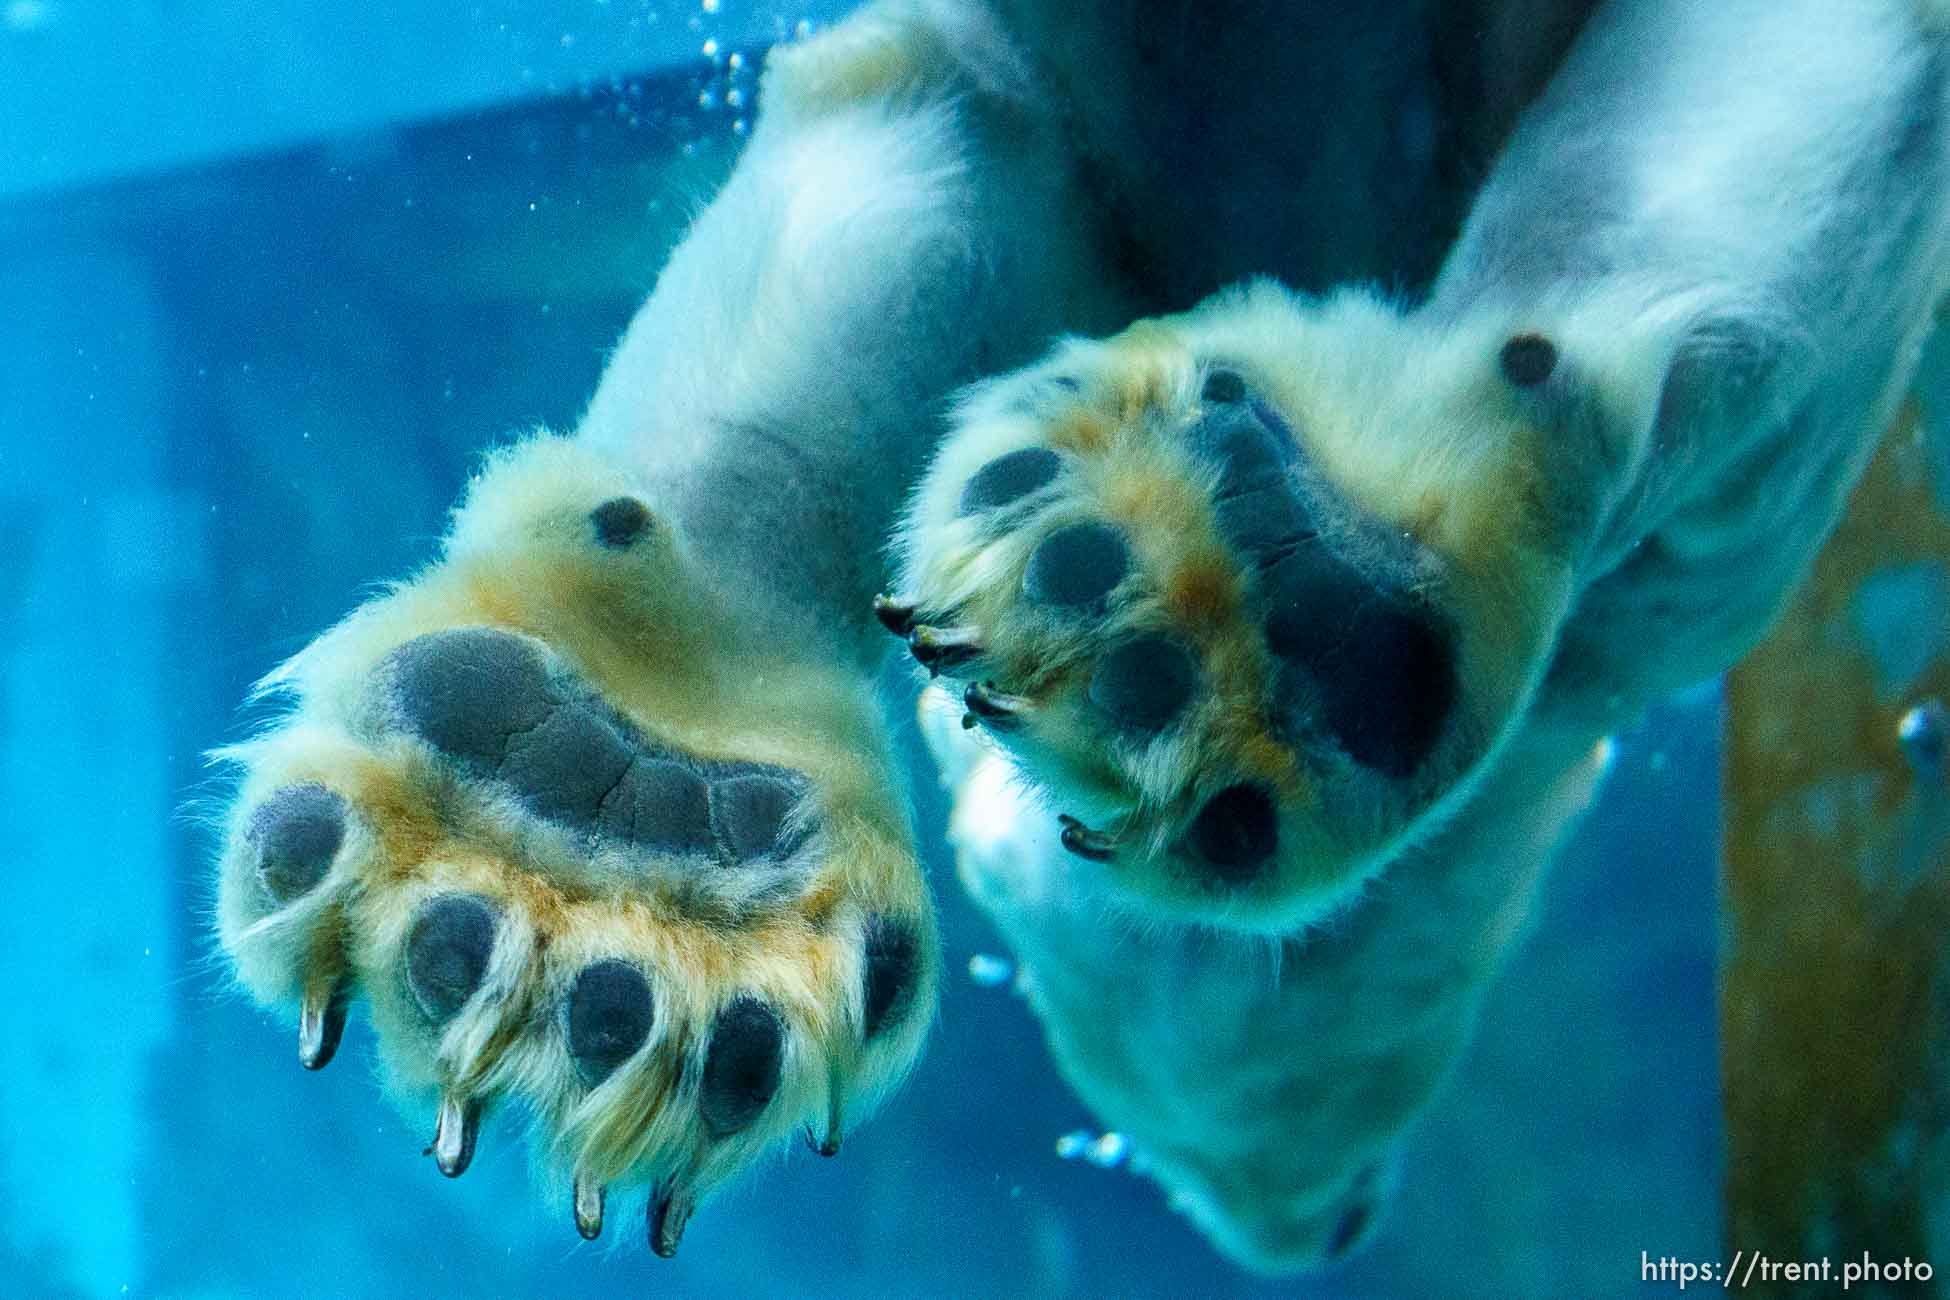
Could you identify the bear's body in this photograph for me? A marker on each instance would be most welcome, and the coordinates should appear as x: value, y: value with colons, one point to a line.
x: 1578, y: 465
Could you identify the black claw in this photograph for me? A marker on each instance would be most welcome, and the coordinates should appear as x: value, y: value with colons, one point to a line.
x: 1086, y: 843
x: 454, y: 1133
x: 828, y: 1146
x: 938, y: 648
x: 321, y: 1023
x: 670, y: 1211
x: 589, y: 1197
x: 897, y: 616
x: 1002, y: 711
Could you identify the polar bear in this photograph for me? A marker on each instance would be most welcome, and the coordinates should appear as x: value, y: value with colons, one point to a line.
x: 1289, y: 604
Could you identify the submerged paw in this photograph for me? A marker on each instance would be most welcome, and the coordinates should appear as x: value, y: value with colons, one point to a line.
x: 673, y: 942
x: 1147, y: 590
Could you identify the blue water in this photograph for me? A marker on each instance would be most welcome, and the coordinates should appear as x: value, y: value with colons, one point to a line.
x: 244, y: 361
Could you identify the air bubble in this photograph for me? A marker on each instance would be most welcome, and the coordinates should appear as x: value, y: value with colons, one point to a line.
x: 1108, y: 1151
x: 1073, y: 1144
x: 989, y: 971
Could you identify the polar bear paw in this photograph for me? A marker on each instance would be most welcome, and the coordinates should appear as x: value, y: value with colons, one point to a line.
x: 523, y: 809
x: 1235, y: 685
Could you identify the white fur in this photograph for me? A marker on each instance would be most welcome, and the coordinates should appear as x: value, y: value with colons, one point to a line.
x: 1705, y: 211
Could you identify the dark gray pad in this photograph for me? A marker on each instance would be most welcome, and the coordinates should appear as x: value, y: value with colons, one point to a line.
x: 447, y: 953
x: 469, y: 691
x: 1076, y: 567
x: 1528, y: 360
x: 1236, y: 832
x: 618, y: 523
x: 1385, y: 676
x: 1258, y: 504
x: 1142, y: 683
x: 1009, y: 478
x: 749, y: 814
x: 1223, y: 386
x: 611, y: 1012
x: 741, y: 1068
x: 296, y: 833
x: 485, y: 698
x: 892, y: 961
x: 660, y: 805
x: 566, y: 766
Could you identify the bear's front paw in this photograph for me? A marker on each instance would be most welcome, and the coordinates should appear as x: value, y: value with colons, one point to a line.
x: 528, y: 808
x: 1238, y: 684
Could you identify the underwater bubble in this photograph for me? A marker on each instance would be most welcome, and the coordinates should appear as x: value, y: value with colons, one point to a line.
x: 1073, y: 1144
x: 1108, y: 1151
x: 1922, y: 732
x: 734, y: 98
x: 989, y: 971
x: 802, y: 29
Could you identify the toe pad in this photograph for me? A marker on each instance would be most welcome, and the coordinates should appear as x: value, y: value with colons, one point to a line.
x: 741, y: 1070
x: 1076, y: 567
x: 296, y: 834
x: 1236, y: 832
x: 447, y: 953
x: 610, y: 1015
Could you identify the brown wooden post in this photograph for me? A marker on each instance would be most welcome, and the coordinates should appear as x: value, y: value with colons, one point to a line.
x: 1835, y: 994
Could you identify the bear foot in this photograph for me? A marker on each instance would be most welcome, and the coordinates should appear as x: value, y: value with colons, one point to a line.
x: 1237, y: 684
x: 520, y: 808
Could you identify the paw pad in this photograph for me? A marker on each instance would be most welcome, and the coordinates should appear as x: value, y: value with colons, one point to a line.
x: 1236, y: 832
x: 893, y: 959
x: 1076, y: 567
x: 620, y: 522
x: 296, y: 833
x: 1142, y: 683
x: 611, y: 1012
x: 1384, y: 679
x: 447, y: 953
x: 741, y: 1069
x: 1009, y: 478
x: 1528, y: 360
